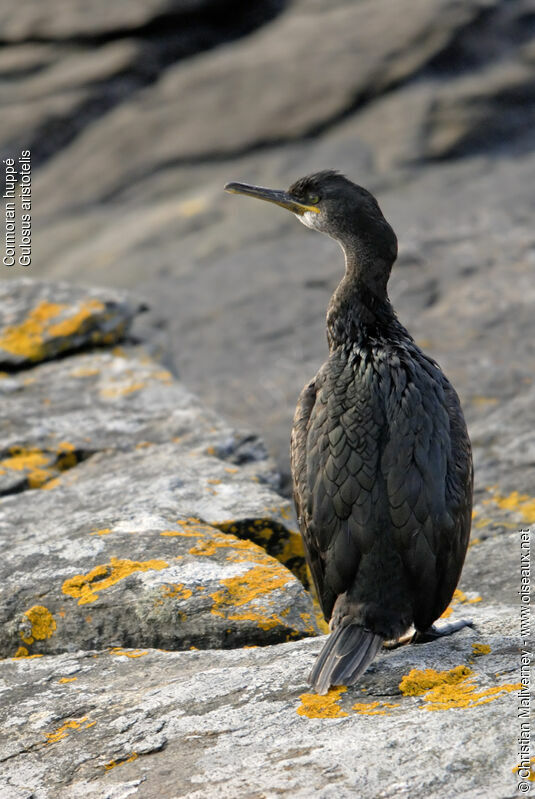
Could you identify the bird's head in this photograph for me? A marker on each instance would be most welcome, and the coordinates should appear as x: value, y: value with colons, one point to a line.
x: 330, y: 203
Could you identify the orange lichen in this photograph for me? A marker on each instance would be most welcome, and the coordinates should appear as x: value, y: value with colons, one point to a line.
x: 176, y: 591
x: 447, y: 690
x: 418, y: 682
x: 129, y: 653
x: 63, y: 731
x: 26, y: 339
x: 64, y: 680
x: 31, y: 461
x: 104, y: 531
x: 374, y: 708
x: 521, y: 503
x: 22, y: 652
x: 314, y: 706
x: 42, y: 622
x: 459, y: 597
x: 481, y: 649
x: 77, y: 322
x: 85, y: 587
x: 254, y: 585
x: 113, y: 763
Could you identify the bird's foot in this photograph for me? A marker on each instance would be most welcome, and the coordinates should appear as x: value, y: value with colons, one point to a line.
x: 432, y: 633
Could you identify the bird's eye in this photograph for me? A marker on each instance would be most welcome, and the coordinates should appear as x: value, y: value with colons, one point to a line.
x: 313, y: 199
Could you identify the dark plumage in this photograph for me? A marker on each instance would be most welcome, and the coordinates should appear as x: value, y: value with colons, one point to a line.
x: 381, y: 459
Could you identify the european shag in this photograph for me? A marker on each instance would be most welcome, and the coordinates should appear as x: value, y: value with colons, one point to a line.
x: 381, y: 459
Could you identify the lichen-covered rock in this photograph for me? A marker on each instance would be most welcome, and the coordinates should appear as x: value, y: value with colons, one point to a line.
x: 149, y: 541
x: 145, y: 581
x: 157, y: 725
x: 39, y: 321
x: 61, y: 412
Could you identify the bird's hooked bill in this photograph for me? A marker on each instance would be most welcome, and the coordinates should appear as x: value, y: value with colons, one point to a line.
x: 275, y: 196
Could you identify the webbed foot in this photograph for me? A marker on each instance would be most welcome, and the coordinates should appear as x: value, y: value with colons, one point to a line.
x: 432, y: 633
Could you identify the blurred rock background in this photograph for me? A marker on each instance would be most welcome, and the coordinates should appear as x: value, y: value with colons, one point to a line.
x: 137, y: 113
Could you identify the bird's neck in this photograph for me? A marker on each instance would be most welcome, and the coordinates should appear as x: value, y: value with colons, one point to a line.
x: 360, y: 310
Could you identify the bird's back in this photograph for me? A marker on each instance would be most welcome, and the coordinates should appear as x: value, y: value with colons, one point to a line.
x: 382, y: 482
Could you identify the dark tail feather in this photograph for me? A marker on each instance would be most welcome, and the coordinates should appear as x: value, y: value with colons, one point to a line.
x: 348, y: 652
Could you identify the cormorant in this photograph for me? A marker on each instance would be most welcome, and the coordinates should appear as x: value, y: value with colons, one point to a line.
x: 381, y: 459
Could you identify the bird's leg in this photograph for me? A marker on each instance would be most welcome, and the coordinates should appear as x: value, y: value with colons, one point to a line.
x: 432, y: 633
x: 401, y: 641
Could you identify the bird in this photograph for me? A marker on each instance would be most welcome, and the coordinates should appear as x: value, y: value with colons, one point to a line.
x: 381, y: 459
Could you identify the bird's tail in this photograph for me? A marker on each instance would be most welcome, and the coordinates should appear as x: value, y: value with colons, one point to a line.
x: 348, y: 652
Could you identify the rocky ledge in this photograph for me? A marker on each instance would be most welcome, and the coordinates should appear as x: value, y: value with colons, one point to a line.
x: 156, y: 627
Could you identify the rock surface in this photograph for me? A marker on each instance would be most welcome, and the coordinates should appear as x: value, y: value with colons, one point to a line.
x: 136, y: 116
x: 149, y: 724
x: 153, y: 531
x: 40, y: 321
x: 432, y: 108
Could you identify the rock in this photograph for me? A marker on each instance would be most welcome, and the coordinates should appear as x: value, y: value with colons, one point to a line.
x: 75, y: 20
x: 289, y: 62
x: 142, y: 722
x: 64, y: 411
x: 146, y: 579
x: 153, y: 529
x: 39, y: 321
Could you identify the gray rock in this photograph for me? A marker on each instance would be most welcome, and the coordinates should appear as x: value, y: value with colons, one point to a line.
x: 242, y: 723
x: 64, y: 411
x: 289, y: 64
x: 71, y: 20
x: 39, y: 321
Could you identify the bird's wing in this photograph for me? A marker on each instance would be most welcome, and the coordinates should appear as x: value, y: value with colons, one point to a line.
x: 427, y: 467
x: 298, y: 456
x: 335, y: 457
x: 382, y: 446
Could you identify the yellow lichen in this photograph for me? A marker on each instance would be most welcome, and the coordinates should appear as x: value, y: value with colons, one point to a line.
x: 129, y: 653
x: 42, y: 622
x: 31, y: 461
x: 104, y: 531
x: 521, y: 503
x: 113, y: 763
x: 481, y: 649
x: 207, y: 548
x: 314, y: 706
x: 64, y: 680
x: 77, y: 322
x: 374, y: 708
x: 446, y: 690
x: 254, y: 585
x: 63, y: 731
x: 417, y: 682
x: 459, y: 597
x: 22, y: 652
x: 176, y: 591
x: 85, y: 587
x: 26, y: 339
